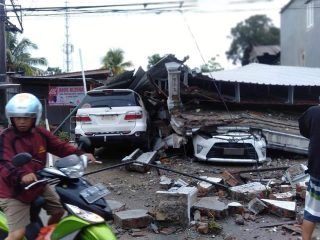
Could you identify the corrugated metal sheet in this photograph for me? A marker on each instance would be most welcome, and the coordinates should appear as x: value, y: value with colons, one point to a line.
x: 256, y: 73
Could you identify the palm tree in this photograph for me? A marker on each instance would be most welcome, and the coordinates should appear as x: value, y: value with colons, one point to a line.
x: 114, y: 60
x: 18, y: 57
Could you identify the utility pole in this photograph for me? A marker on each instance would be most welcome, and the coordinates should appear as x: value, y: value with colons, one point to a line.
x: 2, y: 42
x: 2, y: 59
x: 67, y: 47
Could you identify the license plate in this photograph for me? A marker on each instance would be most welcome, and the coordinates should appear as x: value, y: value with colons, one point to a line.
x: 109, y: 117
x: 95, y: 192
x: 233, y: 151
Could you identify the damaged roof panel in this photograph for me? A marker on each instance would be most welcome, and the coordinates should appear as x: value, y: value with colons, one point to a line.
x: 270, y: 75
x: 258, y: 51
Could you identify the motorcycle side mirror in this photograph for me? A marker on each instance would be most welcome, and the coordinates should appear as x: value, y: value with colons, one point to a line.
x: 21, y: 158
x: 84, y: 142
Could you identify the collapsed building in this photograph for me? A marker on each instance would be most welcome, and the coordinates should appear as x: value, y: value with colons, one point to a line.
x: 256, y: 96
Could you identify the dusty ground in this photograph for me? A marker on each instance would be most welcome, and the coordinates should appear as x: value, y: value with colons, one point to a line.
x: 137, y: 190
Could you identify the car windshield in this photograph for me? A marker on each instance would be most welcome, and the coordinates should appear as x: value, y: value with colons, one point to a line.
x: 115, y: 99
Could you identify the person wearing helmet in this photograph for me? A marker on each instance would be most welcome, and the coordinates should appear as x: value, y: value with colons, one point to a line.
x: 23, y: 112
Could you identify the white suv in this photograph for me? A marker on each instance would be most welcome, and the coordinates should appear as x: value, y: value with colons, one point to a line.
x: 234, y: 146
x: 112, y: 115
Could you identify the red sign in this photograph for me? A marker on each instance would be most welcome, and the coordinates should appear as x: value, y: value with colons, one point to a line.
x: 65, y: 96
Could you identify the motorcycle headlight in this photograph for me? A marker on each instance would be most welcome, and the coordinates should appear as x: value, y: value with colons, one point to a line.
x: 74, y: 171
x: 85, y: 215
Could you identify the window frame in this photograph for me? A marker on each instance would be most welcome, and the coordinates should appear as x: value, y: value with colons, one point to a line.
x: 309, y: 14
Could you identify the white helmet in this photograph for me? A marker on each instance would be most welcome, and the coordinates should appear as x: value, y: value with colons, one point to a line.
x: 24, y: 105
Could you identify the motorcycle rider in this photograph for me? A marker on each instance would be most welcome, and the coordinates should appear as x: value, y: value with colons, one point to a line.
x: 23, y: 112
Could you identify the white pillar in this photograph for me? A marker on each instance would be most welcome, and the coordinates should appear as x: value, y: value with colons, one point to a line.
x: 173, y: 100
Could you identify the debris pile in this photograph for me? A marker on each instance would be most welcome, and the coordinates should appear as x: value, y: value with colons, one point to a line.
x: 204, y: 203
x: 177, y: 108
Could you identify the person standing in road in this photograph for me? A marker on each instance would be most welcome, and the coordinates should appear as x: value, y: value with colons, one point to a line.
x: 23, y: 112
x: 309, y: 125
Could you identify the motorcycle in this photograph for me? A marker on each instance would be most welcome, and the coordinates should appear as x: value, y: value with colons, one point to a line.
x: 86, y: 208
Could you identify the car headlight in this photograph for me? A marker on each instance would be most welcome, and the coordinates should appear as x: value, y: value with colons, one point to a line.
x: 74, y: 171
x: 199, y: 148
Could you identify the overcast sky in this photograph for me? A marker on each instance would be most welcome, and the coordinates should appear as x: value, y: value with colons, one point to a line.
x: 203, y: 31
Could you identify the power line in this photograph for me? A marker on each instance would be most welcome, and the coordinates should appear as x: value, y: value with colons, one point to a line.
x: 58, y: 11
x: 154, y: 7
x: 201, y: 55
x: 113, y: 11
x: 70, y: 8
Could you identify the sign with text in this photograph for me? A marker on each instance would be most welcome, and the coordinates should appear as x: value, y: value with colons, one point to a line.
x: 65, y: 96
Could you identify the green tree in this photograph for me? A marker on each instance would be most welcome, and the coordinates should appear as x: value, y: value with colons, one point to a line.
x: 254, y: 31
x: 18, y: 58
x: 211, y: 66
x: 114, y: 60
x: 53, y: 71
x: 153, y: 59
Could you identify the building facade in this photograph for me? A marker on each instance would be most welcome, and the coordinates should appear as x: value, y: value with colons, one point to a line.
x: 300, y: 33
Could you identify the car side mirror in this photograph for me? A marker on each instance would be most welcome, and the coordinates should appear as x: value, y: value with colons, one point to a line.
x: 21, y: 158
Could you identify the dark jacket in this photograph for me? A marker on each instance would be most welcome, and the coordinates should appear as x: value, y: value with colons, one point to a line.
x: 309, y: 125
x: 37, y: 142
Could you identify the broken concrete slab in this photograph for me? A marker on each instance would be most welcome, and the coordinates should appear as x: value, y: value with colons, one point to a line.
x: 283, y: 196
x: 180, y: 183
x: 248, y: 191
x: 285, y: 209
x: 296, y: 173
x: 141, y: 159
x: 174, y: 205
x: 211, y: 207
x: 136, y: 218
x: 204, y: 187
x: 256, y: 206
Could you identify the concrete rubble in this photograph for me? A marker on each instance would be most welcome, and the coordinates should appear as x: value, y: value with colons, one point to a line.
x: 136, y: 218
x: 211, y: 199
x: 141, y: 158
x: 202, y: 204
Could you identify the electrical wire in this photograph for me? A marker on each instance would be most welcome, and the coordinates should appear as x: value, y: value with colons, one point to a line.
x: 202, y: 57
x: 116, y: 8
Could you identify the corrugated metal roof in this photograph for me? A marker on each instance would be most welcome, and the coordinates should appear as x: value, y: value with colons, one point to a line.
x: 270, y: 75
